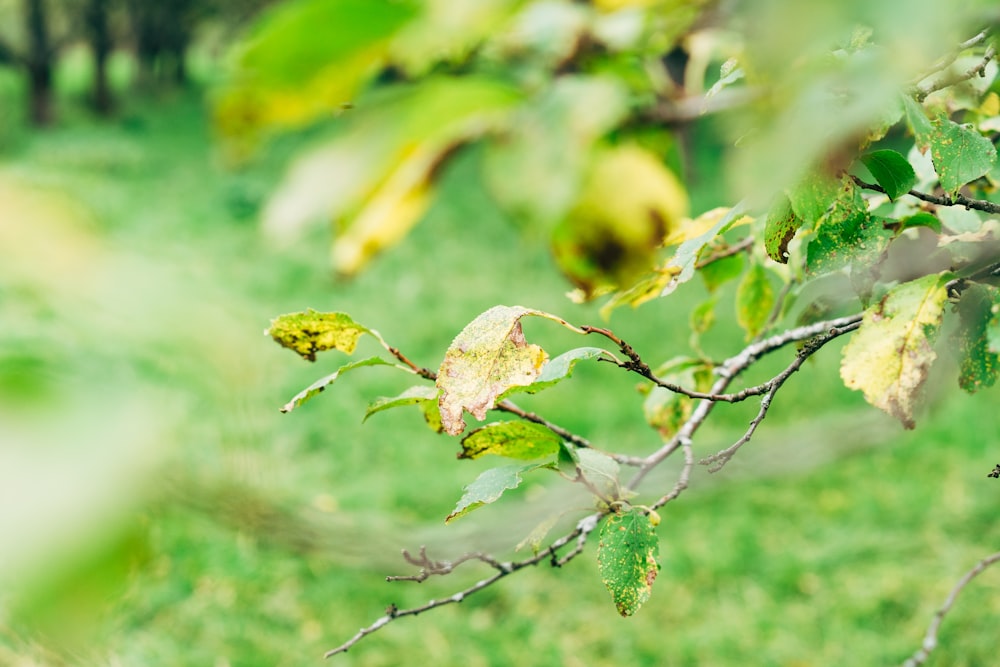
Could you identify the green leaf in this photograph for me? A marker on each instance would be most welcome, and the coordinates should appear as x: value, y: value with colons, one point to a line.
x: 979, y: 364
x: 921, y: 219
x: 421, y: 395
x: 847, y: 234
x: 703, y: 316
x: 754, y: 300
x: 537, y: 534
x: 666, y: 410
x: 919, y: 122
x: 889, y: 357
x: 489, y: 486
x: 556, y: 370
x: 812, y: 196
x: 311, y: 332
x: 600, y: 470
x: 779, y: 229
x: 487, y: 359
x: 536, y: 170
x: 960, y: 154
x: 304, y: 58
x: 322, y: 383
x: 513, y: 439
x: 720, y: 271
x: 376, y: 177
x: 892, y: 171
x: 627, y: 557
x: 683, y: 263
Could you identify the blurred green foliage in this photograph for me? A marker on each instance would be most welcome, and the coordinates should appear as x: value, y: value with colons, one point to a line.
x: 156, y: 509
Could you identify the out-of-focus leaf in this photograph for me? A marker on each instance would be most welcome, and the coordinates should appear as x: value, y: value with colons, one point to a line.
x: 600, y: 470
x: 322, y: 383
x: 537, y: 534
x: 892, y: 171
x: 630, y: 203
x: 489, y: 486
x: 556, y: 370
x: 536, y: 168
x: 718, y: 272
x: 513, y: 439
x: 541, y: 36
x: 919, y: 123
x: 485, y: 360
x: 779, y: 229
x: 980, y: 365
x: 889, y: 357
x: 420, y: 395
x: 666, y: 410
x: 921, y: 219
x: 960, y: 153
x: 847, y: 234
x: 627, y: 556
x: 375, y: 178
x: 703, y: 316
x: 446, y: 31
x: 304, y: 59
x: 813, y: 195
x: 681, y: 267
x: 754, y: 300
x: 311, y: 332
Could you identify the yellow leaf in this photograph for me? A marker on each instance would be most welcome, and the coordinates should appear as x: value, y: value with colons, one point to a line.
x: 629, y: 203
x: 890, y: 355
x: 392, y: 210
x: 488, y: 357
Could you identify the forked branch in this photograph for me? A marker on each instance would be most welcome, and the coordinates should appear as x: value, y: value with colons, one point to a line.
x: 817, y: 335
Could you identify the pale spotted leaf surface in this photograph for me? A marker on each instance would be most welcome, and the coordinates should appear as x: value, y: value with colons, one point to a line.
x: 485, y: 360
x: 889, y: 357
x: 489, y: 486
x: 513, y: 439
x: 311, y: 332
x: 558, y: 369
x: 627, y: 556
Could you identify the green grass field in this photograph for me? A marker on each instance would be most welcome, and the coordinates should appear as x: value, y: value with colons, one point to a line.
x: 178, y: 519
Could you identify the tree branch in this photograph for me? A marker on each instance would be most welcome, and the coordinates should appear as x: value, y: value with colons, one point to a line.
x: 720, y: 459
x: 942, y: 200
x: 583, y: 529
x: 931, y: 639
x: 727, y: 372
x: 920, y: 93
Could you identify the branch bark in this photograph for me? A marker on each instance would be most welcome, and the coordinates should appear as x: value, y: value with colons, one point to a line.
x: 931, y: 638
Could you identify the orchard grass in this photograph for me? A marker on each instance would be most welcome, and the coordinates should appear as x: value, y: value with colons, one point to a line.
x: 829, y: 539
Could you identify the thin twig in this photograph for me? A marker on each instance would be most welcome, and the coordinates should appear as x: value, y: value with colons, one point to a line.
x: 727, y: 372
x: 931, y: 638
x: 719, y: 459
x: 735, y: 249
x: 921, y: 92
x: 682, y: 479
x: 941, y: 200
x: 422, y: 372
x: 946, y: 60
x: 430, y: 568
x: 583, y: 529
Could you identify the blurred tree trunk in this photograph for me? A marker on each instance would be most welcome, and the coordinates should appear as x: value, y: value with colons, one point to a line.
x: 39, y: 62
x: 162, y: 32
x: 99, y: 33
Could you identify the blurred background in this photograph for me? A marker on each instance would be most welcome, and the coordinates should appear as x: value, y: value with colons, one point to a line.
x: 169, y: 172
